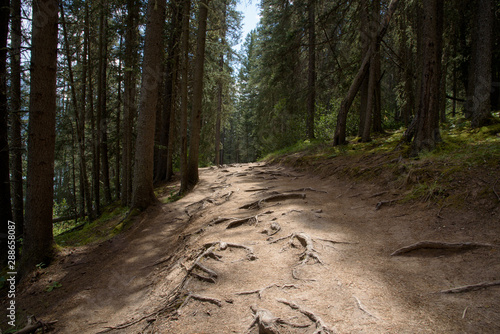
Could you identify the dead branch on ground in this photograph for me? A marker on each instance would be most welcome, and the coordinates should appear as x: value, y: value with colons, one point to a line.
x: 273, y: 198
x: 473, y: 287
x: 439, y: 245
x: 321, y: 327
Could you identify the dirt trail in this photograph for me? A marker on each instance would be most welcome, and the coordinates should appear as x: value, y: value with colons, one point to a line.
x: 318, y: 261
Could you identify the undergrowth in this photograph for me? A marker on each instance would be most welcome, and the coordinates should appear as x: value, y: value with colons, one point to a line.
x: 444, y: 174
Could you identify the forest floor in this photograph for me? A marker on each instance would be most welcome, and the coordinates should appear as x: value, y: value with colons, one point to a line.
x: 312, y: 254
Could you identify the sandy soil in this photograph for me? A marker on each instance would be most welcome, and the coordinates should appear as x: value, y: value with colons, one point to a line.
x: 330, y: 261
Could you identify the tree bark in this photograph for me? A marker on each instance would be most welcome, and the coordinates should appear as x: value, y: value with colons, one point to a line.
x: 194, y: 145
x: 38, y: 237
x: 5, y: 203
x: 129, y: 96
x: 102, y: 110
x: 142, y: 191
x: 311, y: 71
x: 184, y: 94
x: 340, y: 131
x: 17, y: 145
x: 427, y: 119
x: 479, y: 103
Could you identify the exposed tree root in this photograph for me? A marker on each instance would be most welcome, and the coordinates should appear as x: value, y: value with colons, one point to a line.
x: 239, y: 222
x: 272, y: 230
x: 257, y: 189
x: 473, y: 287
x: 363, y: 308
x: 267, y: 322
x: 260, y: 291
x: 273, y: 198
x: 200, y: 298
x: 306, y: 189
x: 308, y: 254
x: 381, y: 203
x: 197, y: 206
x: 33, y: 325
x: 321, y: 327
x: 439, y: 245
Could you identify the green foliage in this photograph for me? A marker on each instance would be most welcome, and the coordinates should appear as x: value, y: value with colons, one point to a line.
x: 103, y: 228
x: 52, y: 286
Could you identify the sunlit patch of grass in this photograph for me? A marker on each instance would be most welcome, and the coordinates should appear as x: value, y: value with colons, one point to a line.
x: 111, y: 222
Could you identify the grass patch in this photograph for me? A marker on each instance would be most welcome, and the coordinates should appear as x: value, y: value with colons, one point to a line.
x: 105, y: 227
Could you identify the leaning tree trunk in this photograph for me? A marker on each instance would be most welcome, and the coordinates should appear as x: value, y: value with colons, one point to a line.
x: 340, y: 131
x: 142, y: 186
x: 38, y: 237
x: 427, y: 119
x: 194, y: 145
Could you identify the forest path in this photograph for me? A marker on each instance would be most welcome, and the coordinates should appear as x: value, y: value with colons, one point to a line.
x: 319, y: 258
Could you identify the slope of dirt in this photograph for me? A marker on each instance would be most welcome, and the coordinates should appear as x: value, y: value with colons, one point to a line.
x: 316, y: 261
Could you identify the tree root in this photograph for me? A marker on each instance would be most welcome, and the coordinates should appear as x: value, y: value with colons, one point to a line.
x: 272, y: 230
x: 308, y: 254
x: 239, y: 222
x: 225, y: 245
x: 33, y: 325
x: 306, y: 189
x: 321, y: 327
x: 200, y: 298
x: 267, y: 322
x: 381, y: 203
x: 363, y: 308
x: 473, y: 287
x: 439, y: 245
x: 277, y: 197
x: 259, y: 292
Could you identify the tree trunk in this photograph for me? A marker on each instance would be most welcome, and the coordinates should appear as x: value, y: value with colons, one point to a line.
x: 117, y: 125
x: 427, y: 118
x: 129, y: 95
x: 38, y: 237
x: 5, y: 204
x: 311, y: 71
x: 102, y: 110
x: 142, y: 190
x: 194, y: 145
x: 377, y: 98
x: 365, y: 45
x: 83, y: 160
x: 164, y: 161
x: 17, y: 141
x: 184, y: 94
x: 340, y: 131
x: 479, y: 103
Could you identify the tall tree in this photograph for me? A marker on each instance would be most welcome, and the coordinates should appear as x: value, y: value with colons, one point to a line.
x: 38, y: 237
x: 425, y: 127
x: 129, y: 96
x: 143, y: 192
x: 16, y: 112
x: 479, y: 103
x: 5, y: 204
x: 184, y: 93
x: 102, y: 110
x: 311, y: 71
x: 192, y: 176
